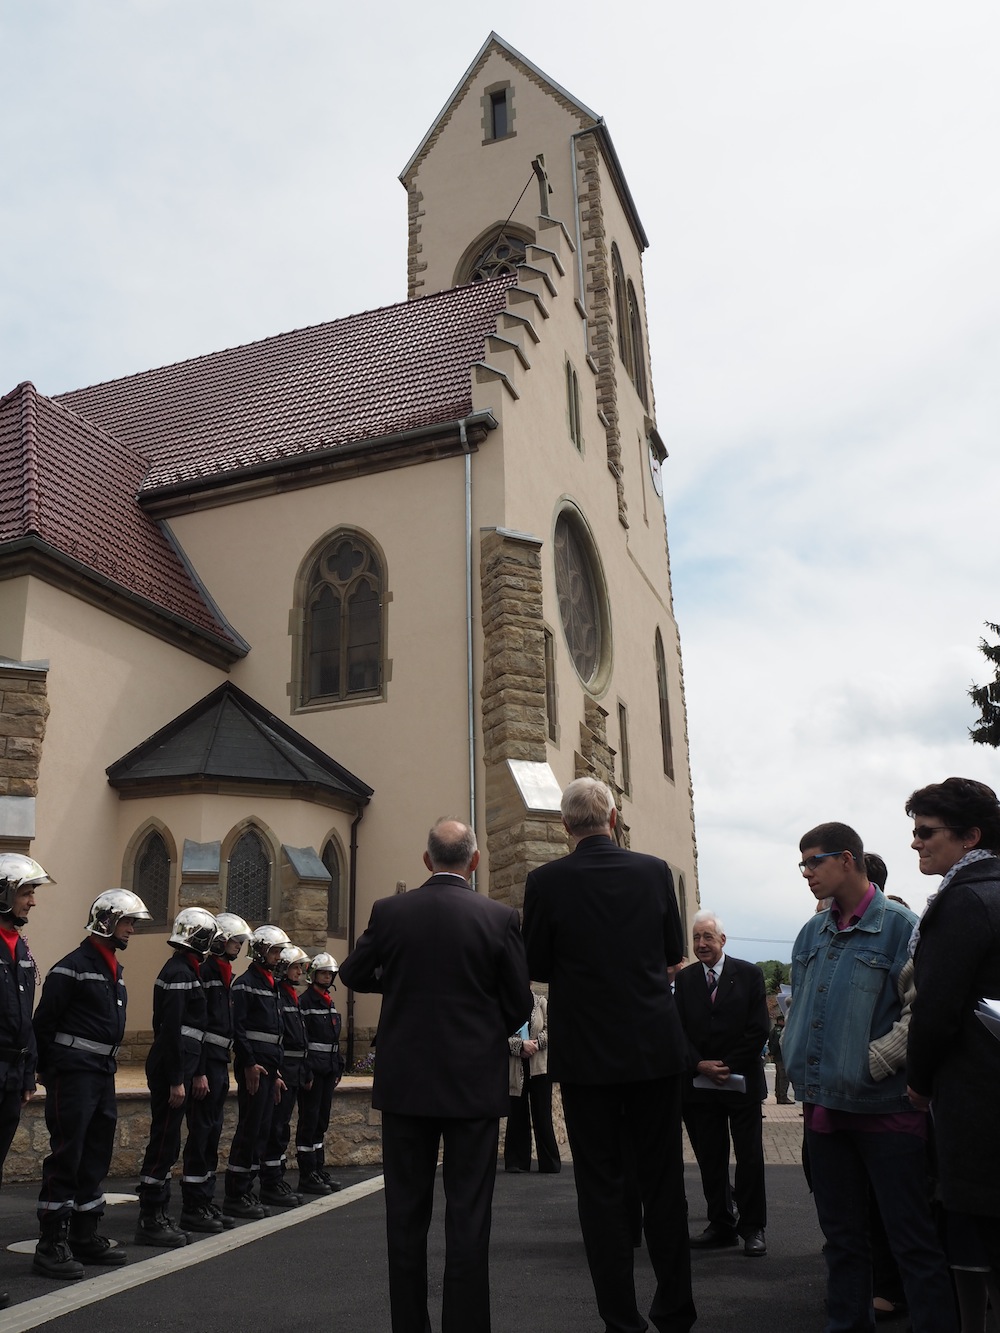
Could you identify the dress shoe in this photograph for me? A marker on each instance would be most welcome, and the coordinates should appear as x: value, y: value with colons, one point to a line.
x: 714, y: 1238
x: 754, y: 1245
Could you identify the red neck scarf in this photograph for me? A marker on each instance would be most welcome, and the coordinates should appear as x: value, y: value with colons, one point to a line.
x: 225, y: 971
x: 108, y: 954
x: 10, y: 936
x: 290, y: 990
x: 324, y: 995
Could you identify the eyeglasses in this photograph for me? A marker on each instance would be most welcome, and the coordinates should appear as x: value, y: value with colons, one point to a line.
x: 814, y: 861
x: 925, y: 831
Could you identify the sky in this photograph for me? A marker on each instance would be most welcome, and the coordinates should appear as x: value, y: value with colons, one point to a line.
x: 820, y: 192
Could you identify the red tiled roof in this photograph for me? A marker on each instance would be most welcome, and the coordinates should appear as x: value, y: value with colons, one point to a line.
x: 379, y: 373
x: 69, y: 485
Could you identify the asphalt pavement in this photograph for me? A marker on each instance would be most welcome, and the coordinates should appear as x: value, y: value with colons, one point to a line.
x: 323, y: 1266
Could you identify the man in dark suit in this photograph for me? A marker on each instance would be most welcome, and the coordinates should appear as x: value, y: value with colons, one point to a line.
x: 723, y: 1008
x: 450, y: 967
x: 601, y: 927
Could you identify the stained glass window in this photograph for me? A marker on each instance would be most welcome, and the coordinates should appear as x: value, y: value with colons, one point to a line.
x: 248, y: 888
x: 343, y: 623
x: 151, y: 880
x: 579, y: 606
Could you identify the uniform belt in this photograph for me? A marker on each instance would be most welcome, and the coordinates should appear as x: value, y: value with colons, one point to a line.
x: 84, y: 1044
x: 216, y: 1039
x: 196, y: 1033
x: 294, y: 1055
x: 270, y: 1038
x: 322, y: 1045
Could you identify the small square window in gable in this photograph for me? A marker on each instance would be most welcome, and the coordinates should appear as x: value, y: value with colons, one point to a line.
x: 498, y: 112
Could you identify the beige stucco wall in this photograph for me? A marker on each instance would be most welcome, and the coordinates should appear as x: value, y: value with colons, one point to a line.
x: 109, y: 686
x: 457, y: 207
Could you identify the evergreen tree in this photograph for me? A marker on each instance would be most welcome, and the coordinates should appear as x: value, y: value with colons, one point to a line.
x: 987, y: 697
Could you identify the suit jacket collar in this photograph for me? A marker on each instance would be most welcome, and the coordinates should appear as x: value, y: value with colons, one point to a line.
x: 445, y: 877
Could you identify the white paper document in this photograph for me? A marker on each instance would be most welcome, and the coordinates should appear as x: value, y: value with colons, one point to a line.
x: 734, y: 1083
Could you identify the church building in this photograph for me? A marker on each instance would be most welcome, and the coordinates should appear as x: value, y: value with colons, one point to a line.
x: 267, y: 613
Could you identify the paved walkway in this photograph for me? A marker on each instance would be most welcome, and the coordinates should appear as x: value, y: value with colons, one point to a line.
x: 323, y: 1265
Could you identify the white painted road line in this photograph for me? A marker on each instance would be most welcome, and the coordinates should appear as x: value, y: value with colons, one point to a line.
x: 76, y: 1295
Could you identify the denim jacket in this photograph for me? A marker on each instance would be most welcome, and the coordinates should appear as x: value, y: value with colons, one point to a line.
x: 844, y: 996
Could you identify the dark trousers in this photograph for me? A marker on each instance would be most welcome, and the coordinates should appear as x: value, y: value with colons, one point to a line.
x: 252, y: 1128
x: 10, y: 1116
x: 165, y: 1122
x: 709, y: 1125
x: 532, y: 1110
x: 409, y: 1155
x: 842, y: 1166
x: 80, y: 1116
x: 780, y: 1082
x: 315, y: 1104
x: 648, y: 1114
x: 201, y: 1150
x: 272, y: 1166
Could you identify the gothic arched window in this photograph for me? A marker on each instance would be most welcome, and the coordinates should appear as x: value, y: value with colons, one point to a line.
x: 622, y: 326
x: 498, y: 258
x: 342, y: 638
x: 637, y: 341
x: 336, y: 913
x: 151, y: 877
x: 248, y: 883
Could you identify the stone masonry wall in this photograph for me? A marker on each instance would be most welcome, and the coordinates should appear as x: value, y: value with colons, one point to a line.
x: 353, y: 1139
x: 24, y: 709
x: 599, y: 303
x: 515, y: 724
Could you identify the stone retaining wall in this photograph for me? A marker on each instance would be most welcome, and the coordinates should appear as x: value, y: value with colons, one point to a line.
x: 354, y: 1137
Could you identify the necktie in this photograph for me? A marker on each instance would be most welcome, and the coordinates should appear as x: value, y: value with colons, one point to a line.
x: 712, y: 983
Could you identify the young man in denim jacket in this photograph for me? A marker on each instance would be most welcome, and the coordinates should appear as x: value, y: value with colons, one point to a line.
x: 859, y: 1131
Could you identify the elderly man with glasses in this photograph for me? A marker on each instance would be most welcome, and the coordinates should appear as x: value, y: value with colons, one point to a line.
x: 861, y: 1130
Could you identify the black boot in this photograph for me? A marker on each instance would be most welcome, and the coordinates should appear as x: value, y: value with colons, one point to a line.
x: 53, y: 1257
x: 89, y: 1247
x: 156, y: 1228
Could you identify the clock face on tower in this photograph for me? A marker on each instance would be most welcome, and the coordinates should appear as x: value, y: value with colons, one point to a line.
x: 654, y: 468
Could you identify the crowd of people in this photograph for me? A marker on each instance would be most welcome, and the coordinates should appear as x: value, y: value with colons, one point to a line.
x: 883, y: 1046
x: 285, y: 1047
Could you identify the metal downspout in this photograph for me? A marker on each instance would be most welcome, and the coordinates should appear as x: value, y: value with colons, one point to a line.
x: 352, y: 925
x: 468, y: 626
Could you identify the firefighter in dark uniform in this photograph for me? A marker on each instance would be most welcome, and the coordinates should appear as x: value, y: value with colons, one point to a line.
x: 19, y: 877
x: 205, y: 1117
x: 175, y: 1070
x: 327, y: 1068
x: 274, y: 1188
x: 79, y: 1025
x: 257, y: 1057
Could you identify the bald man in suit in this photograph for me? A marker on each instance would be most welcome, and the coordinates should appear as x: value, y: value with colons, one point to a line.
x: 449, y: 964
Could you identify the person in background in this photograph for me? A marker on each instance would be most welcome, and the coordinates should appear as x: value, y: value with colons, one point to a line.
x: 531, y: 1096
x: 326, y: 1066
x: 297, y: 1075
x: 953, y: 1060
x: 723, y: 1009
x: 257, y: 1033
x: 79, y: 1025
x: 205, y: 1117
x: 20, y: 876
x: 175, y: 1070
x: 780, y: 1073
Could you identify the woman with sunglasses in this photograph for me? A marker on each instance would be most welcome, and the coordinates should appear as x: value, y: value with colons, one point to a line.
x: 953, y: 1062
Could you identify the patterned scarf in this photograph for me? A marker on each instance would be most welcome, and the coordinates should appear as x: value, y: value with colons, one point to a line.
x: 977, y: 854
